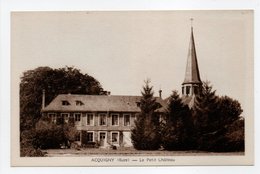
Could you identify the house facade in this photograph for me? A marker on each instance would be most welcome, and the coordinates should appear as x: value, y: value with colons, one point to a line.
x: 103, y: 119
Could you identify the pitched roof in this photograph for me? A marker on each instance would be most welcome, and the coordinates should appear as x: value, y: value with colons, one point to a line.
x: 188, y: 100
x: 92, y: 103
x: 192, y: 74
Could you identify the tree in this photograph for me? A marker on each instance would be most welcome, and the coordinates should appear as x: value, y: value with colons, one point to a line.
x: 229, y: 127
x: 236, y: 136
x: 205, y: 109
x: 214, y: 120
x: 229, y: 110
x: 145, y: 135
x: 177, y: 131
x: 54, y: 81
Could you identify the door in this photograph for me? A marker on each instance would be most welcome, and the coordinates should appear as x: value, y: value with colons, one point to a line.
x: 127, y: 142
x: 102, y: 138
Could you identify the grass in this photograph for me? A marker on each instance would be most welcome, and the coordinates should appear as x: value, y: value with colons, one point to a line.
x: 130, y: 152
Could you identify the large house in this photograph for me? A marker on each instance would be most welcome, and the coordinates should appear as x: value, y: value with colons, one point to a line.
x: 108, y: 119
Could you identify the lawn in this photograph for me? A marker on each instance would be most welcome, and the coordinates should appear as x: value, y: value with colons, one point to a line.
x: 130, y: 152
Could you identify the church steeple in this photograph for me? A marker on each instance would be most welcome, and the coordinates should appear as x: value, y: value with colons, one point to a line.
x: 192, y: 83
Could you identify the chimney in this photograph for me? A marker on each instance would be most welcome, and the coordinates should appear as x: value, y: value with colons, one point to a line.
x: 160, y: 93
x: 43, y: 98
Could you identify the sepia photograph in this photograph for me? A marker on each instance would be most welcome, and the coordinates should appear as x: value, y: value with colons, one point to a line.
x: 132, y: 88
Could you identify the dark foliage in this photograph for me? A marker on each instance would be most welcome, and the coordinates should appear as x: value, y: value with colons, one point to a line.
x: 53, y: 81
x: 26, y: 145
x: 216, y: 121
x: 177, y: 130
x: 205, y: 110
x: 53, y: 136
x: 145, y: 135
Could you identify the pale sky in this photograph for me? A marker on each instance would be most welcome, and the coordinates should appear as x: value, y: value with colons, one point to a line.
x: 122, y: 49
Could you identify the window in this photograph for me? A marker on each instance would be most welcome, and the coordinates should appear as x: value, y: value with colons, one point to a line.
x: 79, y: 103
x: 138, y: 104
x: 65, y: 103
x: 90, y: 120
x: 77, y: 117
x: 52, y: 117
x: 195, y: 88
x: 114, y: 137
x: 102, y: 119
x: 182, y: 90
x: 77, y: 136
x: 90, y: 137
x: 65, y: 117
x: 114, y: 119
x: 187, y: 90
x: 162, y: 118
x: 136, y: 115
x: 126, y: 120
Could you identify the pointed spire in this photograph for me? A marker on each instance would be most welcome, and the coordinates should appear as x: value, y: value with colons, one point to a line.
x: 192, y: 75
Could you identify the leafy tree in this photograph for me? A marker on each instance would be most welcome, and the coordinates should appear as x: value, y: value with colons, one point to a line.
x: 177, y: 131
x: 54, y: 81
x: 214, y: 119
x: 236, y: 136
x: 145, y: 135
x: 229, y: 127
x: 229, y: 110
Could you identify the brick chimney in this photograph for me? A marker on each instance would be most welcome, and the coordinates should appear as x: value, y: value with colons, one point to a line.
x: 160, y: 93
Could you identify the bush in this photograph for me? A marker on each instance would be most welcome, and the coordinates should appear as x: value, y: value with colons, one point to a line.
x: 52, y: 136
x: 31, y: 152
x: 26, y: 145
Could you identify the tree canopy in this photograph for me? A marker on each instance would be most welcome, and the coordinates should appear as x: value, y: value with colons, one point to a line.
x: 53, y: 81
x: 214, y: 121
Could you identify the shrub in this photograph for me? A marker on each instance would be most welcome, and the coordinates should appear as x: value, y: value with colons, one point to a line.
x: 52, y: 136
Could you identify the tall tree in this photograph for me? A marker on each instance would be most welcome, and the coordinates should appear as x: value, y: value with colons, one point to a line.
x: 145, y: 135
x: 214, y: 120
x: 177, y: 130
x: 54, y: 81
x: 205, y: 109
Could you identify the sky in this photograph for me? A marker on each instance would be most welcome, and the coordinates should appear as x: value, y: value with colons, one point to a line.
x: 122, y: 49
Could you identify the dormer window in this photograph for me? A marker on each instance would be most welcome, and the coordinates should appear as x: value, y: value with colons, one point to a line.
x: 138, y: 104
x: 79, y: 103
x: 65, y: 103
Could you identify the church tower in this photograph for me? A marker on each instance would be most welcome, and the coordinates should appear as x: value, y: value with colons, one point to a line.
x: 192, y: 83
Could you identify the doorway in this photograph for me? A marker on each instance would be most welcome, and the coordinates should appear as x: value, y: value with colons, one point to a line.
x: 102, y: 138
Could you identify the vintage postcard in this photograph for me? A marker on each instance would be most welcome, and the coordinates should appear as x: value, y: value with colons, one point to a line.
x: 132, y: 88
